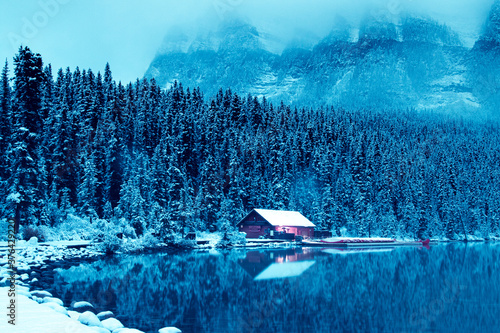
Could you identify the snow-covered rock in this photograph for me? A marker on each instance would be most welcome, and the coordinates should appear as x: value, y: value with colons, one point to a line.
x: 57, y: 308
x: 23, y: 288
x: 83, y: 306
x: 169, y: 330
x: 112, y: 324
x: 53, y: 300
x: 41, y: 319
x: 41, y: 293
x: 100, y: 329
x: 90, y: 319
x: 22, y: 283
x: 33, y: 242
x: 23, y: 267
x: 24, y: 292
x: 74, y: 314
x: 105, y: 315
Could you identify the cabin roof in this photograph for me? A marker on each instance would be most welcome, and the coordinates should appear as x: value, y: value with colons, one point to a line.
x: 284, y: 218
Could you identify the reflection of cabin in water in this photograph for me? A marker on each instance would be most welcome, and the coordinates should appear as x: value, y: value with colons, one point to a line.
x: 276, y: 264
x: 271, y: 223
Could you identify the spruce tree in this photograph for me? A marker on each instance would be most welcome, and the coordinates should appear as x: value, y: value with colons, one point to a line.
x: 26, y: 130
x: 5, y: 120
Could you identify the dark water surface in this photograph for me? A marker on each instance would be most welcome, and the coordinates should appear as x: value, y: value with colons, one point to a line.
x: 447, y: 288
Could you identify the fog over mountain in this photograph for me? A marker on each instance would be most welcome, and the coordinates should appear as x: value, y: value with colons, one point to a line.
x: 128, y: 34
x: 375, y: 54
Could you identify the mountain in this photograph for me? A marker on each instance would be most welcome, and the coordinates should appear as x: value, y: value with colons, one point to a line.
x: 414, y: 63
x: 483, y: 62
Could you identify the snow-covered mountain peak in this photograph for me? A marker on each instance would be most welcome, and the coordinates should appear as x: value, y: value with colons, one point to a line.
x: 230, y: 35
x: 420, y: 29
x: 373, y: 29
x: 411, y: 62
x: 236, y: 34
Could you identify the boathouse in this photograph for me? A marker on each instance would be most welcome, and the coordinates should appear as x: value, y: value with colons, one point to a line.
x: 272, y: 223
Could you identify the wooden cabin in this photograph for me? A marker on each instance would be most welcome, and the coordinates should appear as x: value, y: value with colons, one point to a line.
x: 271, y: 223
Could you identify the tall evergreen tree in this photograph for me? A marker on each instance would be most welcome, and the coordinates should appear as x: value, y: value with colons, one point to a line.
x: 5, y: 120
x: 27, y: 125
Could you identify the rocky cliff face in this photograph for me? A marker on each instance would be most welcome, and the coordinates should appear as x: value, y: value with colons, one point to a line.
x: 417, y: 63
x: 483, y: 63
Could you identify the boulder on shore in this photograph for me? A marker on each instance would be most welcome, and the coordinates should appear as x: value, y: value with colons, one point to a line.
x: 83, y: 306
x: 90, y: 319
x: 41, y: 293
x: 112, y: 324
x: 105, y: 315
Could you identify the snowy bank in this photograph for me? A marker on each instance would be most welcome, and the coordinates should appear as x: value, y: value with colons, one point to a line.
x: 34, y: 317
x: 37, y: 310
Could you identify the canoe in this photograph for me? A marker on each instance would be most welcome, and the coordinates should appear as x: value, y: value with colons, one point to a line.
x: 366, y: 243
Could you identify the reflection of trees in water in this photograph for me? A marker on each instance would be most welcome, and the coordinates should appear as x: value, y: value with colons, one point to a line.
x: 448, y: 288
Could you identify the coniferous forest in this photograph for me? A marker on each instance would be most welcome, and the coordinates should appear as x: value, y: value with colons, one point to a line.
x: 172, y: 161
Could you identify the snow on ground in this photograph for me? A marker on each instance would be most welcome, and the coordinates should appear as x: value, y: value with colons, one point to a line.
x: 213, y: 238
x: 33, y: 317
x: 33, y: 254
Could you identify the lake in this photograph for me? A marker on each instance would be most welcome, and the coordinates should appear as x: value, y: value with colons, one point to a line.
x: 447, y: 288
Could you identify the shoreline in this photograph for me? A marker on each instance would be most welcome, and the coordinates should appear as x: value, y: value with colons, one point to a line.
x: 38, y: 309
x: 34, y: 309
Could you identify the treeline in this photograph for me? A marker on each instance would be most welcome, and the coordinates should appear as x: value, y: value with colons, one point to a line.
x: 171, y: 161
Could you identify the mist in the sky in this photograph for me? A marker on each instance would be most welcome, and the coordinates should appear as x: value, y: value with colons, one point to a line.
x: 128, y: 33
x: 287, y: 17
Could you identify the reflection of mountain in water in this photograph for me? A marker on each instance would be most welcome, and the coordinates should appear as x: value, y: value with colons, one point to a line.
x: 277, y: 264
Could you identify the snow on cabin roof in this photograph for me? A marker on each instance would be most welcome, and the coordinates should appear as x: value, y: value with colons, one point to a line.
x: 284, y: 218
x: 285, y: 270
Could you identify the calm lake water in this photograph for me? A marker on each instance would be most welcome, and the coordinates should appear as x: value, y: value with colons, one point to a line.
x: 447, y: 288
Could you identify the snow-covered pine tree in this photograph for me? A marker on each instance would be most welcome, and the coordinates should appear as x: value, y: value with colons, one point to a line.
x: 61, y: 143
x: 210, y: 192
x: 5, y: 129
x: 26, y: 130
x: 5, y: 119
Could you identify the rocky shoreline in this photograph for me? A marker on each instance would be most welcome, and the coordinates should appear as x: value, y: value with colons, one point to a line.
x: 36, y: 264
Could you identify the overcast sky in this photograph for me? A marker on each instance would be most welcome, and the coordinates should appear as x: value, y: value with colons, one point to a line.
x: 127, y: 33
